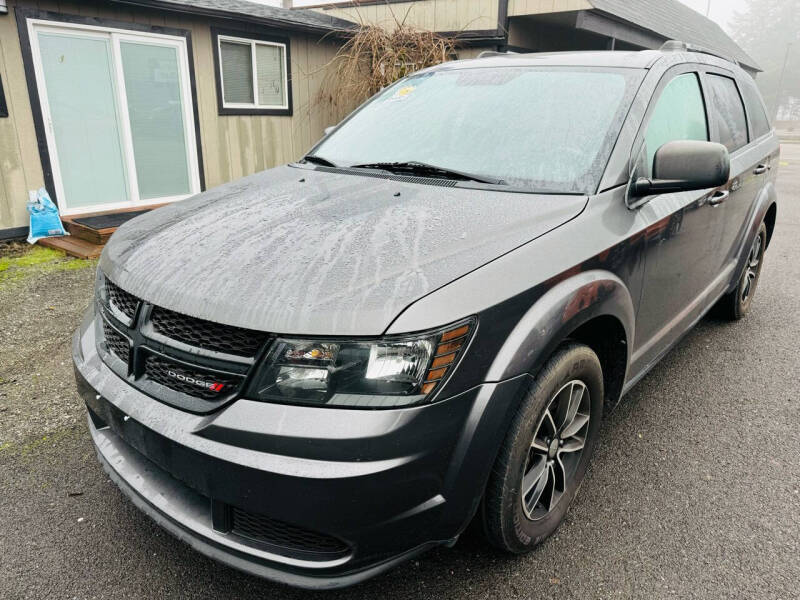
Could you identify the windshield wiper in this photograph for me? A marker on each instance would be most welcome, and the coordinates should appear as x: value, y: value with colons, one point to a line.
x: 318, y: 160
x: 424, y: 169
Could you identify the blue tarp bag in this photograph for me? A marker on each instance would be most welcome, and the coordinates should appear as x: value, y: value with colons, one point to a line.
x: 45, y: 221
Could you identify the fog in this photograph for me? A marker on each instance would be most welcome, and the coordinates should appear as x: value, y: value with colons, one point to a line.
x: 769, y: 31
x: 721, y: 11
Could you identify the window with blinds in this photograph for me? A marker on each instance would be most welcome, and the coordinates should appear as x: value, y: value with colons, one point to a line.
x: 237, y: 72
x: 252, y: 73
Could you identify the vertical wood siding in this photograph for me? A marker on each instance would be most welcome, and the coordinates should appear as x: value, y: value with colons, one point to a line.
x: 434, y: 15
x: 535, y: 7
x: 232, y: 146
x: 20, y: 168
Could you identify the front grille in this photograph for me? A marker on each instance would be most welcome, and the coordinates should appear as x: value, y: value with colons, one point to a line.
x: 116, y: 343
x: 207, y: 334
x: 157, y: 357
x: 284, y: 535
x: 124, y: 302
x: 190, y: 381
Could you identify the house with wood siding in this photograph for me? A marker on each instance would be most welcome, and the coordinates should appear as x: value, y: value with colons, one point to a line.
x: 119, y: 105
x: 549, y: 25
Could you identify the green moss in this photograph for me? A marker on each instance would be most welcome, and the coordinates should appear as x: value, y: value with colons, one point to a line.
x: 32, y: 445
x: 37, y: 255
x: 38, y: 260
x: 76, y: 264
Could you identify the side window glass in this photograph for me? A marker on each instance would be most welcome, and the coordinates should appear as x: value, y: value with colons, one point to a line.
x: 727, y: 111
x: 755, y: 108
x: 679, y: 114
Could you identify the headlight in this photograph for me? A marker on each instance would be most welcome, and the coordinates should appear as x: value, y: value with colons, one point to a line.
x: 381, y: 373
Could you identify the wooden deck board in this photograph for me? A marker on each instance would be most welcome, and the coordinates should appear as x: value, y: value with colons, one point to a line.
x: 95, y: 236
x: 98, y: 236
x: 73, y: 246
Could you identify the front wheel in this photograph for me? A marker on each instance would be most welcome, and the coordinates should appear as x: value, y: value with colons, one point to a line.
x: 546, y: 451
x: 735, y: 304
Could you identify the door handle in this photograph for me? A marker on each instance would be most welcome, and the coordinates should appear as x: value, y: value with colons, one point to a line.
x: 760, y: 169
x: 718, y: 197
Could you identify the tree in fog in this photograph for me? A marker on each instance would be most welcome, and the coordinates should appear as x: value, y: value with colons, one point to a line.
x: 766, y: 29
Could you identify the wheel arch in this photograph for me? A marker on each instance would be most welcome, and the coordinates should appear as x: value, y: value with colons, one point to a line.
x: 769, y: 220
x: 766, y: 211
x: 594, y: 307
x: 605, y: 335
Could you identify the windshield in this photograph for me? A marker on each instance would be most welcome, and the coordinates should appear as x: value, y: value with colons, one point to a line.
x: 547, y: 129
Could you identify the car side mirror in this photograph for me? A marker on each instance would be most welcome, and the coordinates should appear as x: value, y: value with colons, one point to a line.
x: 685, y: 165
x: 327, y: 130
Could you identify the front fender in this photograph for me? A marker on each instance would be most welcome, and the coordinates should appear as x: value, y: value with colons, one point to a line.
x: 560, y: 311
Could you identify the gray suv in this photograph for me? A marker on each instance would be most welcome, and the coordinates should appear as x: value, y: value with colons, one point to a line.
x: 315, y: 372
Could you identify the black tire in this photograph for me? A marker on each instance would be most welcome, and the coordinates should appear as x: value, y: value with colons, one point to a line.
x: 736, y: 304
x: 507, y: 524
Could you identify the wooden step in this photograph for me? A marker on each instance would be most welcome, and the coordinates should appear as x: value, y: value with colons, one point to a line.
x: 98, y: 236
x: 94, y: 236
x: 73, y: 246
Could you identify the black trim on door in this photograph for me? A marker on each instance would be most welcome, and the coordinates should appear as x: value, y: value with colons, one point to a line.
x: 720, y: 72
x: 666, y: 79
x: 3, y: 105
x: 22, y: 16
x: 263, y: 36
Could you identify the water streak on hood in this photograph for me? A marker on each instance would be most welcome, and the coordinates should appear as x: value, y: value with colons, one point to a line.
x: 331, y: 255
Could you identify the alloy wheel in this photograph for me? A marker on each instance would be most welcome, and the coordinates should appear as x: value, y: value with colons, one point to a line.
x: 556, y: 448
x: 751, y: 271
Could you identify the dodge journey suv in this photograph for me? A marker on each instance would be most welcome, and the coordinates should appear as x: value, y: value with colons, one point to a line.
x: 318, y: 371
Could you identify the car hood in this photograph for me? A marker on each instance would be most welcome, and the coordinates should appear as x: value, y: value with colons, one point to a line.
x: 302, y: 251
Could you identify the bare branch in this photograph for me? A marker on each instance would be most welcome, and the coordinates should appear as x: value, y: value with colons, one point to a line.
x: 374, y: 57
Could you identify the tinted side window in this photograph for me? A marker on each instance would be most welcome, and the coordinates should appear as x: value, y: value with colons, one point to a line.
x: 755, y: 108
x: 678, y: 115
x: 725, y: 107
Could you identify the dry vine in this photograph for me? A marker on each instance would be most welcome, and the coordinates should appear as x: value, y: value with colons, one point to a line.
x: 374, y: 57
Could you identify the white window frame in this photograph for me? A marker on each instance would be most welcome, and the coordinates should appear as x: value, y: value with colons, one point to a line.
x: 116, y: 35
x: 253, y: 43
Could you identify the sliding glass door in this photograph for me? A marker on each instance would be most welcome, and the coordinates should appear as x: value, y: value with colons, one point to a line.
x: 118, y: 116
x: 155, y: 113
x: 83, y: 120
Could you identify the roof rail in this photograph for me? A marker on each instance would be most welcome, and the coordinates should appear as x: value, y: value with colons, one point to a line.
x: 488, y: 53
x: 679, y: 46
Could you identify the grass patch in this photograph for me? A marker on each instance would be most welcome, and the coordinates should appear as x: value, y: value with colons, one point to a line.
x: 38, y: 260
x: 37, y: 255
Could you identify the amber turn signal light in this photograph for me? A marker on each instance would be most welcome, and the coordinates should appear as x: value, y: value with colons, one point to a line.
x: 450, y: 345
x: 455, y: 333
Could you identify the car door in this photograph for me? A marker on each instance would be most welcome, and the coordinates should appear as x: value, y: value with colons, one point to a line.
x: 684, y: 238
x: 728, y: 122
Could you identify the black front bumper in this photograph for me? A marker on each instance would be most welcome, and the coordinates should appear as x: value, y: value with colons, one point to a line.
x: 387, y: 483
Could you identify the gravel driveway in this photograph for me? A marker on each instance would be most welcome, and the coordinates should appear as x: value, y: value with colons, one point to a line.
x: 693, y: 491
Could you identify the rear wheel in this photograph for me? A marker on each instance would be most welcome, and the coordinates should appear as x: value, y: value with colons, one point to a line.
x: 736, y: 304
x: 546, y: 451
